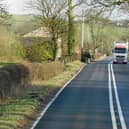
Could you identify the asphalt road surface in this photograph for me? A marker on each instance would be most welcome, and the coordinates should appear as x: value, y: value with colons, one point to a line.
x: 98, y: 98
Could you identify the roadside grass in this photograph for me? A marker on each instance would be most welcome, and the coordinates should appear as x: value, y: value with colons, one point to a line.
x: 2, y: 64
x: 11, y: 113
x: 19, y: 111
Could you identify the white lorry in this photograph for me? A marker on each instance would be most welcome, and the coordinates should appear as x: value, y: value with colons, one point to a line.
x: 120, y: 52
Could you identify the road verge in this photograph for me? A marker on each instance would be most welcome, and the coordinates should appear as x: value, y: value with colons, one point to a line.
x: 22, y: 111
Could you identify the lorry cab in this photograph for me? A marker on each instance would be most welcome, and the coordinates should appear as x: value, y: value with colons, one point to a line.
x: 120, y: 53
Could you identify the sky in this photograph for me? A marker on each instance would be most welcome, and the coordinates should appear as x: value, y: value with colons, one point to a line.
x: 17, y: 6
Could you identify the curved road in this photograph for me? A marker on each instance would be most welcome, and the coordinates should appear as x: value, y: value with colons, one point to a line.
x: 98, y: 98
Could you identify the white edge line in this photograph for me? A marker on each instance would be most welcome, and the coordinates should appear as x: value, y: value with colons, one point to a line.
x: 111, y: 100
x: 53, y: 99
x: 122, y: 120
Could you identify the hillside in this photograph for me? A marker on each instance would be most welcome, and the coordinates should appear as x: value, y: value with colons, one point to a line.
x: 22, y: 24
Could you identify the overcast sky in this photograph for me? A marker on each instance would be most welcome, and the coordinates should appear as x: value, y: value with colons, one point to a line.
x: 17, y: 6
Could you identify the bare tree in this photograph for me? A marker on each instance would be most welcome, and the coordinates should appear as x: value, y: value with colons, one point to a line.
x: 51, y: 13
x: 121, y: 5
x: 96, y: 23
x: 4, y: 15
x: 108, y: 3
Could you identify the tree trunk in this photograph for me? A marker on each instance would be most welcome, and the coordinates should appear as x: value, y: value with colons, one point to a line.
x: 71, y: 39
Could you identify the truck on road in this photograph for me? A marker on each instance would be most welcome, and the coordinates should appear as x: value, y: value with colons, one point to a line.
x: 120, y: 52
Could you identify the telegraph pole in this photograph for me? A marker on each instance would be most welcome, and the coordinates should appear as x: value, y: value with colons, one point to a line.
x: 83, y: 26
x: 82, y: 35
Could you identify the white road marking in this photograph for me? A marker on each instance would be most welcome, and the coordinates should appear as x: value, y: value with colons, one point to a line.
x: 52, y: 101
x: 114, y: 123
x: 122, y: 120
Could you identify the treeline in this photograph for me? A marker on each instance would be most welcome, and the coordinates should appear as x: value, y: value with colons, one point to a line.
x: 58, y: 17
x: 101, y: 39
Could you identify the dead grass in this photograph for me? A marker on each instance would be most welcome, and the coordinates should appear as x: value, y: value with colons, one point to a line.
x: 44, y: 71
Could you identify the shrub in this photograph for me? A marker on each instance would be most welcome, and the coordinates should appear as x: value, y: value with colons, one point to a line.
x: 40, y: 71
x: 13, y: 79
x: 38, y: 53
x: 19, y: 50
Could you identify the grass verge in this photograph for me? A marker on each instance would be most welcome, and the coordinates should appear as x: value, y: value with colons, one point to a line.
x: 2, y: 64
x: 16, y: 113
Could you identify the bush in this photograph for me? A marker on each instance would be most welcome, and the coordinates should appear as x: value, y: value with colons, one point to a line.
x: 38, y: 53
x: 13, y: 79
x: 39, y: 71
x: 19, y: 50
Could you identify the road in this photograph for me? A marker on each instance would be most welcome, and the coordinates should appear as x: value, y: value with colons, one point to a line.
x: 98, y: 98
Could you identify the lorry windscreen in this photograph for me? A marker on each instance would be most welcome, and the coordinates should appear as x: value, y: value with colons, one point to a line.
x: 120, y: 50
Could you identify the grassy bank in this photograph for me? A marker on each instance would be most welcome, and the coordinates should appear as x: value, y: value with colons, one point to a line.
x: 17, y: 112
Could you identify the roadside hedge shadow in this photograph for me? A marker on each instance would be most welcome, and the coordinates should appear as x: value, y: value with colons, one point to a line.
x: 13, y: 79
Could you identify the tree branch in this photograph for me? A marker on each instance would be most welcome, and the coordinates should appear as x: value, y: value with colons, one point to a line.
x: 77, y: 4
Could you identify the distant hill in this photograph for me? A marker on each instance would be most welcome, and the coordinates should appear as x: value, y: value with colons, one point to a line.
x: 23, y: 18
x: 22, y: 24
